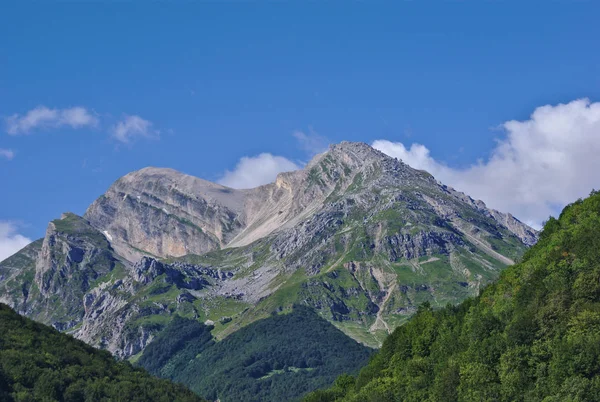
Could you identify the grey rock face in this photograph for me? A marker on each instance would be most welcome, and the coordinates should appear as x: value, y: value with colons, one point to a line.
x: 72, y: 252
x: 113, y: 308
x: 71, y: 257
x: 165, y: 213
x: 525, y: 233
x: 184, y: 276
x: 409, y: 246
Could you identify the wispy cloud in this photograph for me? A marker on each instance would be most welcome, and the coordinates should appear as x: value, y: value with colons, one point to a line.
x: 10, y: 240
x: 7, y: 153
x: 132, y: 127
x: 542, y: 164
x: 311, y: 142
x: 44, y: 117
x: 253, y: 171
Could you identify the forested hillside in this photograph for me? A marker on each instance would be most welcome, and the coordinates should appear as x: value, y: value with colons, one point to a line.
x: 38, y: 363
x: 534, y: 335
x: 279, y: 358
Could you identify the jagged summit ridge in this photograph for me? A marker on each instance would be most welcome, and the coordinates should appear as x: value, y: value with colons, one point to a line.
x: 167, y: 213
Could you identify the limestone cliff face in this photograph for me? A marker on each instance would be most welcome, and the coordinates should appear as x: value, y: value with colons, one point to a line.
x: 72, y: 253
x: 166, y: 213
x: 122, y: 312
x: 52, y: 283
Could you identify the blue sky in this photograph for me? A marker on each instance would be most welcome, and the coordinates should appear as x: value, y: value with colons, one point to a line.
x: 90, y: 91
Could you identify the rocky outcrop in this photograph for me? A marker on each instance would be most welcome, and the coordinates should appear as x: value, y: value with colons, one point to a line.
x: 109, y: 317
x: 525, y: 233
x: 165, y: 213
x: 72, y: 256
x: 72, y: 253
x: 409, y: 246
x: 182, y: 275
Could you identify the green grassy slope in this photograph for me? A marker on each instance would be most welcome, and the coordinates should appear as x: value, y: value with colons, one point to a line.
x: 534, y: 335
x: 38, y: 363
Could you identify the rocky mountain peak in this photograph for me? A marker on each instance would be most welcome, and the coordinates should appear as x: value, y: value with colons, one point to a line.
x: 362, y: 237
x: 150, y: 179
x: 357, y: 151
x: 163, y: 212
x: 352, y: 156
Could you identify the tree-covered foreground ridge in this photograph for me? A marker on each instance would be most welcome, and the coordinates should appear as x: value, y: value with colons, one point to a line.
x: 280, y: 358
x: 38, y: 363
x: 534, y: 335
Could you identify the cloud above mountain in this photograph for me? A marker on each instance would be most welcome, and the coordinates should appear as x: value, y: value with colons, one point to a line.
x: 253, y: 171
x: 542, y: 164
x: 10, y: 240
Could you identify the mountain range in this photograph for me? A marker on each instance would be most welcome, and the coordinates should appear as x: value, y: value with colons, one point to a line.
x: 360, y: 238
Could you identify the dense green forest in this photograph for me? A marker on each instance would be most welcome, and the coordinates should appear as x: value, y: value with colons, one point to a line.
x: 532, y: 336
x: 279, y: 358
x: 38, y: 363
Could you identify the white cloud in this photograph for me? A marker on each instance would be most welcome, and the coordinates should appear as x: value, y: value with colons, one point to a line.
x: 253, y: 171
x: 44, y: 117
x: 7, y: 153
x: 543, y: 163
x: 313, y: 143
x: 10, y: 240
x: 132, y: 127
